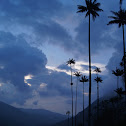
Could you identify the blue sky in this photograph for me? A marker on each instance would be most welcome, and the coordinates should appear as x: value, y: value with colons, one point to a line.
x: 37, y: 37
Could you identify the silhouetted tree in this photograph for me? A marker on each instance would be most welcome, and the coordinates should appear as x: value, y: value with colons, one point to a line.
x: 120, y: 19
x: 91, y: 8
x: 77, y: 74
x: 98, y: 80
x: 68, y: 113
x: 97, y: 70
x: 117, y: 73
x: 83, y: 79
x: 70, y: 62
x: 119, y: 91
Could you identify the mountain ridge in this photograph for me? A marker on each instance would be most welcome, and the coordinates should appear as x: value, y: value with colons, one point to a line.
x: 11, y: 116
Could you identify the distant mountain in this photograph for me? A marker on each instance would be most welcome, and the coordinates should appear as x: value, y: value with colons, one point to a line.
x: 112, y: 112
x: 45, y: 117
x: 11, y: 116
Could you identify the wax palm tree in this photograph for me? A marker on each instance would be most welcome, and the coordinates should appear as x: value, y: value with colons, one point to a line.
x: 77, y: 74
x: 117, y: 73
x: 98, y: 80
x: 97, y: 70
x: 91, y: 8
x: 70, y: 62
x: 68, y: 113
x: 83, y: 79
x: 120, y: 19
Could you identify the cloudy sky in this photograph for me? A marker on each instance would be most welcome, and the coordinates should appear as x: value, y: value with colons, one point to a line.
x: 37, y: 37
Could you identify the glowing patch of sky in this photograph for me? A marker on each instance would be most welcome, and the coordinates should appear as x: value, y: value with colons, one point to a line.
x: 78, y: 67
x: 27, y: 78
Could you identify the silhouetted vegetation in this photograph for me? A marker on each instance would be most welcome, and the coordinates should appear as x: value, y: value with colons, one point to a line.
x: 77, y: 74
x: 70, y: 62
x: 117, y: 73
x: 120, y: 19
x: 68, y: 113
x: 109, y: 112
x: 91, y: 8
x: 83, y: 80
x: 98, y: 80
x: 112, y: 112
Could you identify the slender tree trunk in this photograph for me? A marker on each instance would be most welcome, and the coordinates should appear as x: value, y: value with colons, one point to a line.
x: 72, y: 102
x: 72, y: 94
x: 68, y: 119
x: 76, y: 104
x: 89, y: 114
x: 124, y: 58
x: 71, y: 74
x: 83, y: 103
x: 97, y: 100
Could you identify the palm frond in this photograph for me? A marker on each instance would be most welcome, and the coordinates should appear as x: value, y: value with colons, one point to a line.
x: 70, y: 61
x: 81, y: 9
x: 87, y: 14
x: 116, y: 13
x: 113, y: 17
x: 114, y: 22
x: 97, y: 70
x: 77, y: 74
x: 94, y: 14
x: 94, y: 1
x: 119, y: 17
x: 92, y: 7
x: 98, y: 79
x: 117, y: 72
x: 84, y: 79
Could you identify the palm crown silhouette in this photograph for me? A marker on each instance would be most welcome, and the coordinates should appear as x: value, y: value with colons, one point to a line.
x: 91, y: 8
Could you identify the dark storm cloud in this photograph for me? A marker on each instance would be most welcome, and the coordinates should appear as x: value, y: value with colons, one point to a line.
x: 116, y: 58
x: 30, y: 8
x: 19, y: 59
x: 56, y: 84
x: 54, y: 32
x: 40, y: 17
x: 111, y: 80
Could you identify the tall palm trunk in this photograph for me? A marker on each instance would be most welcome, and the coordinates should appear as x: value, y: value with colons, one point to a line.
x: 97, y: 100
x: 124, y: 58
x: 68, y: 119
x: 83, y: 103
x: 72, y: 94
x: 76, y: 104
x: 72, y: 102
x: 89, y: 114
